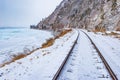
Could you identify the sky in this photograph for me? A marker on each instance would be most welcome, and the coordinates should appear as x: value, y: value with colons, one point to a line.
x: 25, y: 12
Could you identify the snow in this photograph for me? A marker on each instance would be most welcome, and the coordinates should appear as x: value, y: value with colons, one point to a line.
x: 83, y: 64
x: 110, y: 49
x: 20, y: 41
x: 42, y: 64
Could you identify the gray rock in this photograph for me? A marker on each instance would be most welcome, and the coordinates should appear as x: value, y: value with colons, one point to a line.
x: 89, y: 14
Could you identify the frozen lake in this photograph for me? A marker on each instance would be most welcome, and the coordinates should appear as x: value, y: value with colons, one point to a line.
x: 14, y: 36
x: 16, y: 40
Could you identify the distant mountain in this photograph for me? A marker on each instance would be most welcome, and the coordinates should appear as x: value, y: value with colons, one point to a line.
x: 89, y: 14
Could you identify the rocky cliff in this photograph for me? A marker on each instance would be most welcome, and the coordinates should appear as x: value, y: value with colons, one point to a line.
x: 89, y: 14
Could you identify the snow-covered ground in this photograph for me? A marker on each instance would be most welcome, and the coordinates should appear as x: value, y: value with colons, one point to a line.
x: 84, y: 62
x: 42, y: 64
x: 20, y: 41
x: 110, y: 47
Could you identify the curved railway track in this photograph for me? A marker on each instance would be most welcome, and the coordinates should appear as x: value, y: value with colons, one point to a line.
x: 112, y: 74
x: 65, y: 60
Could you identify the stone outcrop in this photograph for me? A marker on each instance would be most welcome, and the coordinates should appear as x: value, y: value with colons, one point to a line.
x: 89, y: 14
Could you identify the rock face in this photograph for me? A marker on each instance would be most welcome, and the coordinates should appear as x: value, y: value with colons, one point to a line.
x: 89, y: 14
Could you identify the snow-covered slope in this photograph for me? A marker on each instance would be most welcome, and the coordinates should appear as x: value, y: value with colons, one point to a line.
x: 42, y: 64
x: 85, y: 64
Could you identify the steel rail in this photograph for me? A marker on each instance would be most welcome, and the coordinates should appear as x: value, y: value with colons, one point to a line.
x: 65, y: 60
x: 112, y: 74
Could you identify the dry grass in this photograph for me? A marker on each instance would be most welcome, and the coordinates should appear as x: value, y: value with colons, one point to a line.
x: 99, y: 30
x: 17, y: 57
x: 51, y: 41
x: 14, y: 59
x: 116, y: 35
x: 63, y: 33
x: 118, y: 29
x: 112, y: 33
x: 47, y: 44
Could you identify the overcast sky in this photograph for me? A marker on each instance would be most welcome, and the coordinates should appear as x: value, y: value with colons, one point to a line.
x: 25, y: 12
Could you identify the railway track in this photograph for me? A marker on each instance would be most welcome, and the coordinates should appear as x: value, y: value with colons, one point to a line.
x: 65, y: 60
x: 112, y: 74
